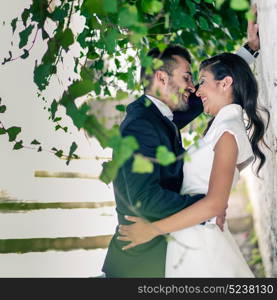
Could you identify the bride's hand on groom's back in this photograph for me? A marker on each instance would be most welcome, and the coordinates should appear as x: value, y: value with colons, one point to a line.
x: 140, y: 232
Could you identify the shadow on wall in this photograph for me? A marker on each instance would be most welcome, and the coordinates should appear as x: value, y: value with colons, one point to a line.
x: 110, y: 112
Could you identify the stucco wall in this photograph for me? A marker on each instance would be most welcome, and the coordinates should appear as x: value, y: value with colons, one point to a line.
x: 263, y: 192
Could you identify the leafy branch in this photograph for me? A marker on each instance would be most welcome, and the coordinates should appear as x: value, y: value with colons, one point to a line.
x: 111, y: 29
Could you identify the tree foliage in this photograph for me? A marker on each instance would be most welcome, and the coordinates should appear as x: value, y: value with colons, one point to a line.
x: 112, y: 29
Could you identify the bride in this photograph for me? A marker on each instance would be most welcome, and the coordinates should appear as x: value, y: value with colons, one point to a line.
x: 197, y: 247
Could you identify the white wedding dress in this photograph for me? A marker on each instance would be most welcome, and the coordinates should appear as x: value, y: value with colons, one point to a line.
x: 204, y: 250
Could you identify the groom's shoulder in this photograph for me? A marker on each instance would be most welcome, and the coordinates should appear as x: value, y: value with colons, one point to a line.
x: 138, y: 106
x: 138, y: 114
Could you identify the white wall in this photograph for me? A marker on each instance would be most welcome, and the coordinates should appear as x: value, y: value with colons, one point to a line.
x: 263, y: 192
x: 26, y: 110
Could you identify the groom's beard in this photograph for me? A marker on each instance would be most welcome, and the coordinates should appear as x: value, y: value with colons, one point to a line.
x: 182, y: 105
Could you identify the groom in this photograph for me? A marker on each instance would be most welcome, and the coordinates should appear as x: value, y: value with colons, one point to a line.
x: 154, y: 195
x: 155, y: 119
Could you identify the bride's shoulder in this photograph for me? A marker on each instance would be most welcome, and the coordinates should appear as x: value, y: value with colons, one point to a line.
x: 234, y: 126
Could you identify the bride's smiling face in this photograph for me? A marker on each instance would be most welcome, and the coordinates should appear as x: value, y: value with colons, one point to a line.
x: 214, y: 93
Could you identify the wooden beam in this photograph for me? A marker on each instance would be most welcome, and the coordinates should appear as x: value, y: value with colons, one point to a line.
x: 17, y: 206
x: 58, y: 244
x: 47, y: 174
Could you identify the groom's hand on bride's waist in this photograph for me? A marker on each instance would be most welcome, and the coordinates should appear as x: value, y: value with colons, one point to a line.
x: 220, y: 220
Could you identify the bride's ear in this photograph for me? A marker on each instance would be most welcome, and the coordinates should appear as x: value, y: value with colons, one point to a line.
x: 226, y: 82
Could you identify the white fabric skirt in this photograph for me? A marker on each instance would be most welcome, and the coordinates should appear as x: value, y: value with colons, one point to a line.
x: 205, y: 251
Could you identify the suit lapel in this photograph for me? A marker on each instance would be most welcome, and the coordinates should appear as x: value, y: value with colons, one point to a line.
x: 151, y: 111
x: 174, y: 129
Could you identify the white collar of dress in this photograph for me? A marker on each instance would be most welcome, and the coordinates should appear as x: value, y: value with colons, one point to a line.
x: 230, y: 111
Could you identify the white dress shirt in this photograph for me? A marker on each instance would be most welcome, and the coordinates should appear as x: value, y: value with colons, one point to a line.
x: 162, y: 107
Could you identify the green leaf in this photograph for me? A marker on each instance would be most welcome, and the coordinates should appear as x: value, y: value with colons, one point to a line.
x: 13, y: 24
x: 25, y: 15
x: 3, y: 108
x: 164, y: 156
x: 99, y: 64
x: 78, y: 116
x: 24, y: 35
x: 122, y: 76
x: 18, y: 145
x: 157, y: 63
x: 109, y: 171
x: 25, y: 54
x: 53, y: 109
x: 97, y: 88
x: 192, y: 7
x: 186, y: 142
x: 121, y: 107
x: 80, y: 88
x: 110, y: 6
x: 120, y: 95
x: 92, y: 54
x: 203, y: 23
x: 86, y: 73
x: 2, y: 131
x: 239, y: 4
x: 7, y: 59
x: 209, y: 1
x: 217, y: 19
x: 65, y: 38
x: 131, y: 79
x: 161, y: 46
x: 111, y: 40
x: 250, y: 16
x: 35, y: 142
x: 73, y: 148
x: 142, y: 165
x: 117, y: 63
x: 186, y: 21
x: 123, y: 148
x: 151, y: 6
x: 147, y: 102
x: 128, y: 16
x: 159, y: 37
x: 90, y: 7
x: 218, y: 3
x: 59, y: 153
x: 13, y: 132
x: 60, y: 13
x: 95, y: 128
x: 41, y: 75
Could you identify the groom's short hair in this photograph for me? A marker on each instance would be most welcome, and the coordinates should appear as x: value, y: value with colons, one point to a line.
x: 169, y: 63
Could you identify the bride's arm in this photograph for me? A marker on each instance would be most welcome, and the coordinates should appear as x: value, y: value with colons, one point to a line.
x: 213, y: 204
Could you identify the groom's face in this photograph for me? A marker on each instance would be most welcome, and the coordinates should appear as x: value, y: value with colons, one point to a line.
x: 180, y: 85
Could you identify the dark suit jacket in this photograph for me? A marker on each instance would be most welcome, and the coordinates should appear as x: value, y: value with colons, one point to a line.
x: 156, y: 195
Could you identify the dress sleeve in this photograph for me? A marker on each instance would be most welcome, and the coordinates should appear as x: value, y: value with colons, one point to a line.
x: 245, y: 153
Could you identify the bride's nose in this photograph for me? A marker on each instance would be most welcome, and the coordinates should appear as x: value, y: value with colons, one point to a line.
x: 198, y: 93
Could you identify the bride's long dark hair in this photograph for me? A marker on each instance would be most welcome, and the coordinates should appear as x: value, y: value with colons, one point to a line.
x: 245, y: 93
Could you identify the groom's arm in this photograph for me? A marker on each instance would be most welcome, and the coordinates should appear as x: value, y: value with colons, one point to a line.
x: 183, y: 118
x: 144, y: 191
